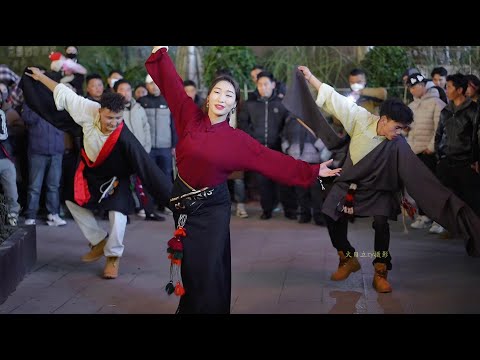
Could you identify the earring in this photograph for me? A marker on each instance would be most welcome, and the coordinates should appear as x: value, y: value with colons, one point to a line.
x: 233, y: 111
x: 206, y: 105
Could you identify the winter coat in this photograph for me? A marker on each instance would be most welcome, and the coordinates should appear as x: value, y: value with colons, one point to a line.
x: 426, y: 114
x: 456, y: 136
x: 136, y: 120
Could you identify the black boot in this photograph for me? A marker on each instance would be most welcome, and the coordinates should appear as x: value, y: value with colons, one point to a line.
x: 154, y: 217
x: 266, y: 215
x: 291, y: 214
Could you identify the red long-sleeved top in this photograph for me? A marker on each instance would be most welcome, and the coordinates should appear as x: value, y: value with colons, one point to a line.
x: 206, y: 153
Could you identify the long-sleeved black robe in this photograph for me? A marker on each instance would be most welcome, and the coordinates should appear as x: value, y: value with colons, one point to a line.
x: 127, y: 156
x: 381, y: 175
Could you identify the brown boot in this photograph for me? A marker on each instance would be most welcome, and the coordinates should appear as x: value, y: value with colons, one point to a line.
x: 95, y: 253
x: 111, y: 267
x: 346, y: 266
x: 380, y: 282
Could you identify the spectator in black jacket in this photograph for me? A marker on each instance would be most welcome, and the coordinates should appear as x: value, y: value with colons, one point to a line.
x: 280, y: 87
x: 264, y: 117
x: 95, y: 87
x: 456, y: 144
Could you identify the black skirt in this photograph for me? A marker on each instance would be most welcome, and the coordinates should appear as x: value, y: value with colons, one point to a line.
x: 206, y: 264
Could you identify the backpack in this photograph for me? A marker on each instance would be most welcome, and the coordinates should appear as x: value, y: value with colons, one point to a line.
x: 441, y: 92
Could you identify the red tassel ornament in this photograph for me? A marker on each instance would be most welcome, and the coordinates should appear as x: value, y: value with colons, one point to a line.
x: 350, y: 202
x: 180, y: 232
x: 409, y: 208
x: 179, y: 290
x: 175, y: 243
x: 175, y: 255
x: 141, y: 193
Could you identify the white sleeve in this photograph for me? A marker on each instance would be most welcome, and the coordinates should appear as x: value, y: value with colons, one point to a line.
x: 80, y: 109
x: 345, y: 110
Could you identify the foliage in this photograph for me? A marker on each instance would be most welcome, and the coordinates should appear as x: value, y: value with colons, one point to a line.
x: 128, y: 59
x: 182, y: 62
x: 328, y: 63
x: 189, y: 64
x: 96, y: 59
x: 385, y: 66
x: 19, y: 57
x: 238, y: 59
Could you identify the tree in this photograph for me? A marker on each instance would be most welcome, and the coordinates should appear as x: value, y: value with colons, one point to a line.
x: 128, y: 59
x: 238, y: 59
x: 328, y: 63
x: 385, y: 66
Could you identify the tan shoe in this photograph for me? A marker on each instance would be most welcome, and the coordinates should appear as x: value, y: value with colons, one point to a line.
x: 346, y: 266
x: 95, y: 253
x: 111, y: 267
x: 380, y: 282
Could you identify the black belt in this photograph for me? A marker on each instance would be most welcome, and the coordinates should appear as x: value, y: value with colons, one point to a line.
x: 190, y: 201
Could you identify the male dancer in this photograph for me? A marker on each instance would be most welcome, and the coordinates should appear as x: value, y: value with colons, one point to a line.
x: 378, y: 164
x: 110, y: 154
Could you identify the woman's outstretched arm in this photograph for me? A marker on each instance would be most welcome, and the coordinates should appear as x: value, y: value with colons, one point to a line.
x: 164, y: 74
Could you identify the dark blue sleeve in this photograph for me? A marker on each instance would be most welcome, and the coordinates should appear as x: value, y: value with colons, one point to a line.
x: 29, y: 116
x: 173, y: 131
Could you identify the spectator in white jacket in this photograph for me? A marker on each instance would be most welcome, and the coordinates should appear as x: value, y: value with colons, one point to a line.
x: 426, y: 107
x: 134, y: 115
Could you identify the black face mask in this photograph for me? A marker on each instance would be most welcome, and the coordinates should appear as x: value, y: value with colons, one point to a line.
x: 71, y: 56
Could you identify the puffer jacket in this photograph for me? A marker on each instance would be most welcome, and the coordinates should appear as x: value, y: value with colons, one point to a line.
x: 426, y: 114
x: 162, y: 126
x: 136, y: 120
x: 264, y: 120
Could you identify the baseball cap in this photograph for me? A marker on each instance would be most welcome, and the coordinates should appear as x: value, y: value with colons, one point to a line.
x: 415, y: 78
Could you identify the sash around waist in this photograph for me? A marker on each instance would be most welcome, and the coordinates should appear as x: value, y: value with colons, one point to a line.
x: 187, y: 199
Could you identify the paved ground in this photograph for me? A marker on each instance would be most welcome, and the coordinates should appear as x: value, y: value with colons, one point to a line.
x: 278, y: 266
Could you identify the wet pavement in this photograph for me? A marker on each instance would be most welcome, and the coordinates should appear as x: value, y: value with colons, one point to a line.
x: 278, y: 267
